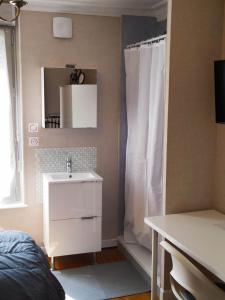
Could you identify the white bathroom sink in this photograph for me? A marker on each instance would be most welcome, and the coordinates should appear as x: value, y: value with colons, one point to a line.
x: 67, y: 177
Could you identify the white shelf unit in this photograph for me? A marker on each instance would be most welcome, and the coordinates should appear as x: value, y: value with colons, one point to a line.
x: 78, y: 106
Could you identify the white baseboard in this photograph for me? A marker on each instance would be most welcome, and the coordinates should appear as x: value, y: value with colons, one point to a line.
x: 166, y: 295
x: 109, y: 243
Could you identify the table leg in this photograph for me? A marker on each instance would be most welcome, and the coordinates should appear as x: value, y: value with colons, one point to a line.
x: 52, y: 263
x: 154, y: 265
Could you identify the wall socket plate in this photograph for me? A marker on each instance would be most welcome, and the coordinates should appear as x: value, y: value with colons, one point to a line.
x: 33, y: 127
x: 33, y: 141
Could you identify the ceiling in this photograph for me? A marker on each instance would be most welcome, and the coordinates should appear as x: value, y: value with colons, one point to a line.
x: 155, y: 8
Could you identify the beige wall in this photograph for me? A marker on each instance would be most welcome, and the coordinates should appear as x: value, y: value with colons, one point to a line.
x: 96, y: 44
x: 219, y: 200
x: 196, y: 32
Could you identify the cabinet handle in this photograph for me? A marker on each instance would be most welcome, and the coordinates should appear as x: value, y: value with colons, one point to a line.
x: 88, y: 218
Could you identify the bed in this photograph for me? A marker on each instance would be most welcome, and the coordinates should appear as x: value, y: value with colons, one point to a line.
x: 24, y: 270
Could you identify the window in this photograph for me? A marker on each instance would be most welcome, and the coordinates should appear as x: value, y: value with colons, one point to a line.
x: 10, y: 191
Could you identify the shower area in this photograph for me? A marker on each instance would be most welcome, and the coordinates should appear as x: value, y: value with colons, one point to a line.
x: 142, y: 133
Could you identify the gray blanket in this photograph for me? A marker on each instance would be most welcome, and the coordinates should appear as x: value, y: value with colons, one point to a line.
x: 24, y: 271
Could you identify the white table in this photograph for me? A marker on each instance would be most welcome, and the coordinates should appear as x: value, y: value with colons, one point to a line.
x: 200, y: 234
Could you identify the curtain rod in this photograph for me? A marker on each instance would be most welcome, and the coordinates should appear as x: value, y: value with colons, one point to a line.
x: 147, y: 42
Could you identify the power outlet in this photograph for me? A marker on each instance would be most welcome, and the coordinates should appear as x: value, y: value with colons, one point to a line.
x: 32, y: 127
x: 33, y: 141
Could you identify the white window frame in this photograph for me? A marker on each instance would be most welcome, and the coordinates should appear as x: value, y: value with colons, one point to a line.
x: 17, y: 110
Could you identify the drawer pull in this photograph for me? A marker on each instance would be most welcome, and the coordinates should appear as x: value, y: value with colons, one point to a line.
x: 88, y: 218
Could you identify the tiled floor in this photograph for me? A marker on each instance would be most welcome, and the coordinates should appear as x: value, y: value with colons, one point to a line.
x: 106, y: 256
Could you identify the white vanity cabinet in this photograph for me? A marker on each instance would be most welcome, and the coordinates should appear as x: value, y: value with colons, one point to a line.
x: 72, y: 213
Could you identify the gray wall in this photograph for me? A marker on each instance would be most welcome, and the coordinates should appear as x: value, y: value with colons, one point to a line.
x: 134, y: 29
x: 161, y: 27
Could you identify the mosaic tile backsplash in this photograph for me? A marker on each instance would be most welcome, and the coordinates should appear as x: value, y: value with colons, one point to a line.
x: 50, y: 160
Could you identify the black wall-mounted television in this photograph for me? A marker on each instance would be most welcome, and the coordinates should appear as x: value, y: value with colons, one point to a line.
x: 219, y: 67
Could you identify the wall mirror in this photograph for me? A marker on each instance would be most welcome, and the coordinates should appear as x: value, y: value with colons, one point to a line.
x: 68, y: 100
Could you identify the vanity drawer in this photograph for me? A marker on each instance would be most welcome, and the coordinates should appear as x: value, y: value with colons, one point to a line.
x: 69, y: 200
x: 74, y: 236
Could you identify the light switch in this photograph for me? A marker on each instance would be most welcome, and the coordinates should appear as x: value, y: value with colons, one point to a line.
x: 33, y: 127
x: 33, y: 141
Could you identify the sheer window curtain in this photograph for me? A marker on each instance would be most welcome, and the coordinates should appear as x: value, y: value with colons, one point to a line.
x: 145, y: 80
x: 7, y: 124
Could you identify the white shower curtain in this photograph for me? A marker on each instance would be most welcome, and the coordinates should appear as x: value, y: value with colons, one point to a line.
x: 145, y: 80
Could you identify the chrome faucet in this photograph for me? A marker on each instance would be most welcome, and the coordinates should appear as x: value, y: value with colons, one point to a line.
x: 69, y: 165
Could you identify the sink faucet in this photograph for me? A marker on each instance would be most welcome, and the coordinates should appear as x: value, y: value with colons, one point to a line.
x: 68, y: 165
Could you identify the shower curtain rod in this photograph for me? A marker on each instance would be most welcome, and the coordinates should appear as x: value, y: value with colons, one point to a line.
x: 147, y: 42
